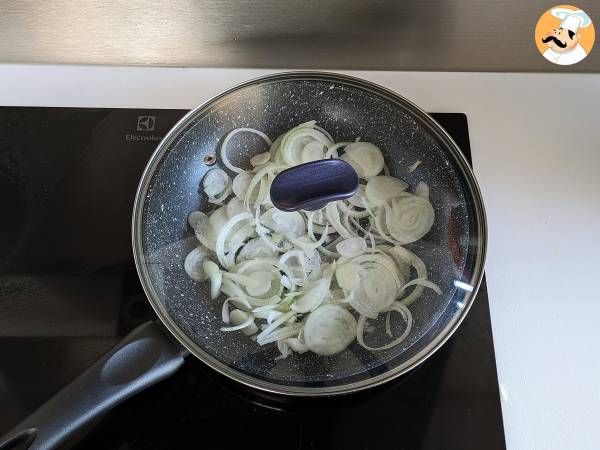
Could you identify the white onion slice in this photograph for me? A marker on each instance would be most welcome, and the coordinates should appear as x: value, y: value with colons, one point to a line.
x: 197, y: 219
x: 235, y: 206
x: 255, y: 248
x: 351, y: 247
x: 282, y: 333
x: 406, y: 315
x: 422, y: 190
x: 360, y: 198
x: 193, y: 264
x: 425, y: 283
x: 383, y: 188
x: 262, y: 337
x: 296, y: 345
x: 261, y: 284
x: 284, y: 222
x: 242, y: 321
x: 262, y: 173
x: 233, y: 290
x: 313, y: 151
x: 313, y: 298
x: 222, y: 197
x: 260, y: 159
x: 295, y: 139
x: 216, y: 278
x: 333, y: 216
x: 240, y: 184
x: 348, y: 276
x: 215, y: 182
x: 332, y: 151
x: 306, y: 247
x: 414, y: 166
x: 220, y: 242
x: 329, y: 329
x: 365, y: 157
x: 228, y: 138
x: 411, y: 218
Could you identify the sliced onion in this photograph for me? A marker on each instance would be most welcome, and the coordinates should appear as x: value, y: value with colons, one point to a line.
x: 260, y: 159
x: 233, y: 290
x: 406, y: 315
x: 410, y: 219
x: 193, y: 264
x: 216, y: 277
x: 414, y: 166
x: 306, y: 247
x: 348, y: 276
x: 333, y: 216
x: 240, y: 184
x: 284, y: 222
x: 295, y: 139
x: 228, y: 138
x: 365, y: 157
x: 329, y: 329
x: 302, y: 309
x: 225, y: 311
x: 360, y: 198
x: 383, y: 188
x: 242, y: 321
x: 261, y: 284
x: 313, y: 151
x: 262, y: 337
x: 313, y: 298
x: 425, y: 283
x: 282, y: 334
x: 300, y: 257
x: 262, y: 173
x: 256, y: 248
x: 215, y: 182
x: 220, y: 243
x: 422, y: 190
x: 296, y: 345
x: 351, y: 212
x: 402, y: 265
x: 284, y: 350
x: 234, y: 207
x: 332, y: 151
x: 324, y: 131
x: 351, y: 247
x: 222, y: 197
x: 197, y: 219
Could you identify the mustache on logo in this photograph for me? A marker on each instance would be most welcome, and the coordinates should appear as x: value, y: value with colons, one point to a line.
x: 556, y: 41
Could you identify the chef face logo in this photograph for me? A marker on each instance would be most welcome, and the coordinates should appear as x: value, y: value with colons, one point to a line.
x: 564, y: 35
x: 146, y: 123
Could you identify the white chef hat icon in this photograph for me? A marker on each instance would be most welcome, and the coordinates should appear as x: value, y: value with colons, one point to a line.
x: 571, y: 20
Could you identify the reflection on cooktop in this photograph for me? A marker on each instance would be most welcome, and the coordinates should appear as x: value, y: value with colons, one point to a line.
x: 69, y: 291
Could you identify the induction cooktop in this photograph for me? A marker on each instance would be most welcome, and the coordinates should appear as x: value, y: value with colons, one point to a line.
x: 69, y: 291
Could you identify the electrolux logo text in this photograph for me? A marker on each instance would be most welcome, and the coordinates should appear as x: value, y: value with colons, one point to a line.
x: 145, y: 124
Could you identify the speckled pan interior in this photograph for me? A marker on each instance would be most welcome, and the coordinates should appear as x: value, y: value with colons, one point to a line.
x: 453, y: 250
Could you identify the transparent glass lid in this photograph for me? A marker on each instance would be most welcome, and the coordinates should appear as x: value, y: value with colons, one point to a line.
x: 415, y: 149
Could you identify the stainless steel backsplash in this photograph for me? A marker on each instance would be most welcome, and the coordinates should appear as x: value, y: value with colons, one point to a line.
x: 400, y: 35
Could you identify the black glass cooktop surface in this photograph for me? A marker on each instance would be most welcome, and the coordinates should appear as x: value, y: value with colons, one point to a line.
x: 69, y: 291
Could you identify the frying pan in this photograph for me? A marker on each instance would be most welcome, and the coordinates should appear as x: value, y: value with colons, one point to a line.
x: 189, y: 322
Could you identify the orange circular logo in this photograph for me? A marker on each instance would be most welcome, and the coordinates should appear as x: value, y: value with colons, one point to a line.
x: 565, y: 35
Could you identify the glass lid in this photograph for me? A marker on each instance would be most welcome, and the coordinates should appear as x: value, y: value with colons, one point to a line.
x: 309, y: 303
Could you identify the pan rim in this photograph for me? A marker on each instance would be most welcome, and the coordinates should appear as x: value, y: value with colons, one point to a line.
x: 429, y: 349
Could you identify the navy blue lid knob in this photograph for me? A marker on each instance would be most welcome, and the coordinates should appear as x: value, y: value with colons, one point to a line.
x: 312, y: 185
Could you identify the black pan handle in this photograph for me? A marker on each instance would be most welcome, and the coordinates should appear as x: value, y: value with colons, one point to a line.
x: 144, y: 357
